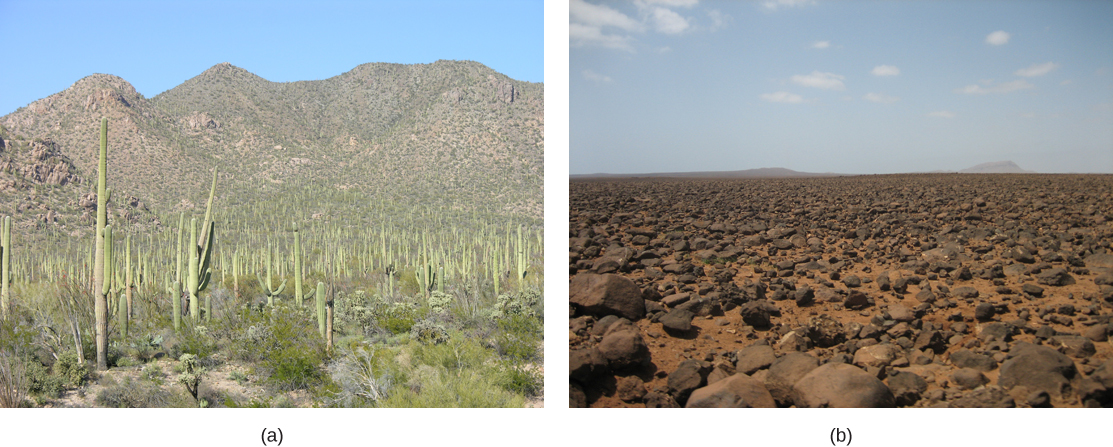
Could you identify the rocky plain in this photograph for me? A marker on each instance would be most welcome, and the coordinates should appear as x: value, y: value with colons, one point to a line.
x: 917, y: 290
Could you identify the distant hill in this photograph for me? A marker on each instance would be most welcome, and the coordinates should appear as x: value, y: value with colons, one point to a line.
x: 996, y: 167
x: 747, y: 173
x: 455, y: 133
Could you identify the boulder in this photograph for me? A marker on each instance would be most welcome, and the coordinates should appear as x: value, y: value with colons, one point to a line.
x: 601, y: 295
x: 1038, y: 368
x: 839, y: 385
x: 737, y: 391
x: 784, y: 372
x: 623, y: 346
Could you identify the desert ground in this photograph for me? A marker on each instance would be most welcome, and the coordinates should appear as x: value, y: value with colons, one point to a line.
x: 917, y: 290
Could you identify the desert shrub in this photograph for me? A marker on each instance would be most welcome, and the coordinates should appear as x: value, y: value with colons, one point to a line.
x: 13, y: 381
x: 439, y: 301
x: 519, y: 335
x: 397, y: 317
x: 238, y: 377
x: 131, y: 394
x: 516, y: 378
x: 458, y: 353
x: 437, y: 388
x: 191, y: 376
x: 69, y: 370
x: 361, y: 378
x: 40, y: 381
x: 529, y: 302
x: 428, y: 331
x: 295, y: 367
x: 192, y: 339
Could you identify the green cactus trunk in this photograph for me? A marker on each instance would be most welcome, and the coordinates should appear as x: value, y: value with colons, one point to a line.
x: 321, y: 308
x: 6, y: 268
x: 100, y: 305
x: 176, y: 297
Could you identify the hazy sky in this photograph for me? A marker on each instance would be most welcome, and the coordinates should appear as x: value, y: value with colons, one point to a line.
x: 156, y: 45
x: 840, y: 86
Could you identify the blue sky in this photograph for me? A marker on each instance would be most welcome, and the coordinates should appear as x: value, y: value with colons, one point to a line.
x: 156, y: 45
x: 841, y: 86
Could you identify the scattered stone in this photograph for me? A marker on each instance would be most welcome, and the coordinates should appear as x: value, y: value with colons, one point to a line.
x: 689, y: 375
x: 907, y: 388
x: 754, y: 313
x: 623, y: 346
x: 1038, y: 368
x: 839, y: 385
x: 965, y: 358
x: 856, y: 300
x: 631, y: 389
x: 825, y: 331
x: 737, y: 391
x: 1055, y: 277
x: 609, y: 294
x: 876, y: 356
x: 754, y: 358
x: 988, y: 397
x: 784, y: 372
x: 968, y: 378
x: 983, y: 312
x: 678, y: 321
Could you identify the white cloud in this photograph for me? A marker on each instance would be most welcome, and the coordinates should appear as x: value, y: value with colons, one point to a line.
x: 600, y: 16
x: 1037, y: 70
x: 718, y: 19
x: 596, y: 77
x: 1066, y: 82
x: 885, y: 70
x: 1028, y: 115
x: 997, y: 38
x: 829, y: 81
x: 668, y: 21
x: 1012, y: 86
x: 782, y: 97
x: 880, y: 98
x: 671, y: 3
x: 773, y: 5
x: 581, y: 35
x: 823, y: 44
x: 665, y: 49
x: 942, y: 114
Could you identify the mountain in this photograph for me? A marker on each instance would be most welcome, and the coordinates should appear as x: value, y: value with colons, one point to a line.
x: 747, y: 173
x: 996, y: 167
x: 455, y: 133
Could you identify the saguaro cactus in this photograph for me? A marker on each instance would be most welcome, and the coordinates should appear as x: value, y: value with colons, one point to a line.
x: 6, y: 268
x: 271, y: 291
x: 298, y: 294
x: 321, y: 308
x: 199, y: 271
x: 100, y: 286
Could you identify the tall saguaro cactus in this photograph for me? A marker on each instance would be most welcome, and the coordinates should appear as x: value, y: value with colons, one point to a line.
x: 298, y: 294
x: 268, y: 287
x: 199, y: 271
x: 6, y: 269
x: 100, y: 285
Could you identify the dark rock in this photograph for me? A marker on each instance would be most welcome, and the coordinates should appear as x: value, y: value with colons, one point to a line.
x: 689, y: 375
x: 1038, y: 368
x: 623, y: 346
x: 805, y: 296
x: 737, y: 391
x: 1055, y: 277
x: 657, y: 399
x: 584, y: 365
x: 754, y: 358
x: 676, y: 299
x: 601, y: 295
x: 839, y: 385
x: 965, y: 358
x: 784, y: 372
x: 968, y: 378
x: 856, y: 300
x: 907, y: 388
x: 825, y: 331
x: 883, y: 281
x: 1032, y: 289
x: 576, y: 396
x: 999, y: 331
x: 600, y: 327
x: 983, y: 312
x: 677, y: 321
x: 965, y: 292
x: 1074, y: 345
x: 877, y: 356
x: 852, y: 281
x: 930, y: 339
x: 1039, y: 399
x: 988, y: 397
x: 1097, y: 332
x: 925, y: 296
x: 631, y: 389
x: 755, y: 313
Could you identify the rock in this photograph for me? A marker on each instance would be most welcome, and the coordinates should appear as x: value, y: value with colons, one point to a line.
x: 1055, y: 277
x: 576, y: 396
x: 675, y: 299
x: 784, y: 372
x: 930, y: 339
x: 754, y: 358
x: 925, y: 296
x: 631, y: 389
x: 856, y: 300
x: 883, y: 281
x: 1074, y: 345
x: 1032, y: 289
x: 623, y: 346
x: 754, y: 313
x: 899, y: 312
x: 689, y: 375
x: 988, y: 397
x: 1039, y: 399
x: 968, y: 378
x: 965, y: 292
x: 1097, y: 332
x: 965, y: 358
x: 737, y: 391
x: 793, y: 341
x: 878, y: 356
x: 805, y: 296
x: 825, y: 331
x: 601, y: 295
x: 1096, y: 260
x: 999, y: 331
x: 852, y: 281
x: 584, y: 365
x: 983, y: 312
x: 657, y: 399
x: 839, y: 385
x: 678, y: 321
x: 907, y: 388
x: 1038, y: 368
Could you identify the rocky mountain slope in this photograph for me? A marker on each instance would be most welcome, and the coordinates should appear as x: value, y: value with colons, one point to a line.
x: 450, y: 132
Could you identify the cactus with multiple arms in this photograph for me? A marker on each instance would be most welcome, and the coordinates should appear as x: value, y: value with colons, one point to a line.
x: 268, y: 288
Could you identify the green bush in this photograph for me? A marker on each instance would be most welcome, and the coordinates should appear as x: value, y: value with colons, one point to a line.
x: 519, y: 336
x: 41, y: 382
x: 295, y: 367
x: 429, y: 332
x: 69, y: 370
x: 519, y: 380
x: 132, y: 394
